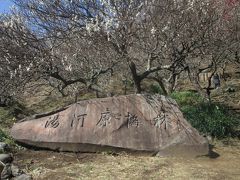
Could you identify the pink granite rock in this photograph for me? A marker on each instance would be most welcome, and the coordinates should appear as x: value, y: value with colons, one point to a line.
x: 148, y: 123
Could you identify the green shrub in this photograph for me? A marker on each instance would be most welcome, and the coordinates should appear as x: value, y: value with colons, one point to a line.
x: 155, y: 89
x: 187, y: 98
x: 9, y: 114
x: 6, y: 117
x: 210, y: 119
x: 3, y: 136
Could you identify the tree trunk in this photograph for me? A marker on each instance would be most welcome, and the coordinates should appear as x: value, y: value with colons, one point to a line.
x: 136, y: 78
x: 195, y: 81
x: 160, y: 82
x: 137, y: 86
x: 172, y: 84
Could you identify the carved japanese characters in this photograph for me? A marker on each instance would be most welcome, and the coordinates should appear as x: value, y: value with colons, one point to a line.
x: 134, y: 122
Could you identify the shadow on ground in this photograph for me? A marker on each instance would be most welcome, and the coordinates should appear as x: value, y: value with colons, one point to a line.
x: 212, y: 153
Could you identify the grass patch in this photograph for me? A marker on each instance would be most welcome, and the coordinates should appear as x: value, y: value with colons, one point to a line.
x: 210, y: 119
x: 156, y: 89
x: 6, y: 117
x: 49, y: 104
x: 185, y: 98
x: 52, y: 103
x: 5, y: 137
x: 9, y: 114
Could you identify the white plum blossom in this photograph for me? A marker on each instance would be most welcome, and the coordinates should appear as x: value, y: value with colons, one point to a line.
x: 92, y: 26
x: 68, y: 68
x: 153, y: 31
x: 11, y: 75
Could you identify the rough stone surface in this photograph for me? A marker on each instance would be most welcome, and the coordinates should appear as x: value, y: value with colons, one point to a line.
x: 23, y: 177
x: 134, y: 122
x: 6, y: 158
x: 16, y: 171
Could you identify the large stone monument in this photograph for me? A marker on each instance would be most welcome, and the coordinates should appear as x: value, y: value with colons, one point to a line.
x: 147, y: 123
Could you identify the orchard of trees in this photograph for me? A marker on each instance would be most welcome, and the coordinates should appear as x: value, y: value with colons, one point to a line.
x: 81, y: 44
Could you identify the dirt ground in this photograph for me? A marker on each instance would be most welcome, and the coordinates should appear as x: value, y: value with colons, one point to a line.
x: 224, y: 163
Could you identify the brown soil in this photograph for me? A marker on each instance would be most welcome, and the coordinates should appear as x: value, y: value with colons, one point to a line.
x: 224, y: 163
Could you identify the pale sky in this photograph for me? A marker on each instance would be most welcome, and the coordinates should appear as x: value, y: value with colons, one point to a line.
x: 5, y: 5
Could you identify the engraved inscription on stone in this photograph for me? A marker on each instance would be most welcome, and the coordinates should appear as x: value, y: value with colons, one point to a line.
x: 78, y: 120
x: 132, y: 120
x: 52, y: 122
x: 105, y: 118
x: 116, y: 116
x: 161, y: 121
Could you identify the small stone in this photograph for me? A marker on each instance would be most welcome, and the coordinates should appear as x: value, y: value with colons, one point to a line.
x: 210, y: 138
x: 3, y: 147
x: 230, y: 89
x: 23, y: 177
x: 1, y: 167
x: 6, y: 158
x: 6, y: 173
x: 16, y: 171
